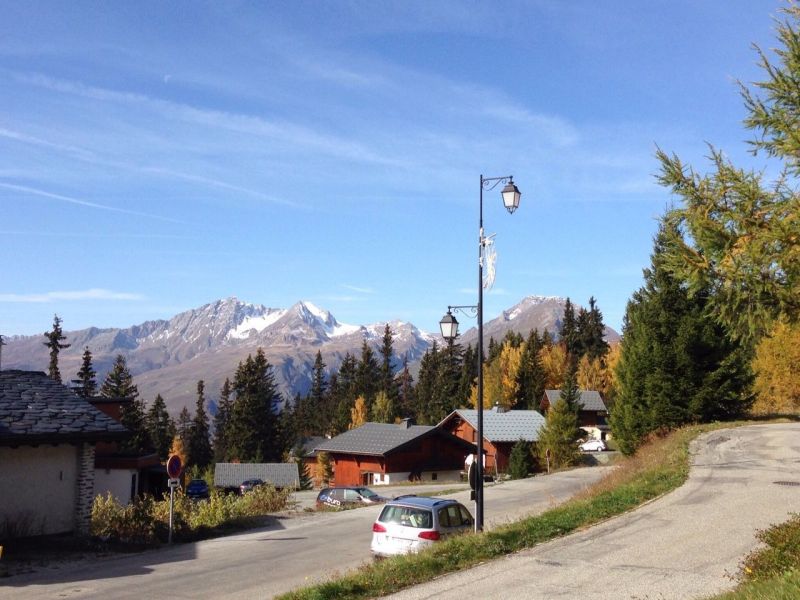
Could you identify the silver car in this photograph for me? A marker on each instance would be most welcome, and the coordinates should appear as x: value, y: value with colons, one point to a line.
x: 411, y: 523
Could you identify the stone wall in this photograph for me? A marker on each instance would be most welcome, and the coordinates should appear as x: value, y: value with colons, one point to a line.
x: 85, y: 488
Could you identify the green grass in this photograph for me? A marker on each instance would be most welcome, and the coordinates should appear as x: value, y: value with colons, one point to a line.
x: 660, y: 466
x: 774, y: 571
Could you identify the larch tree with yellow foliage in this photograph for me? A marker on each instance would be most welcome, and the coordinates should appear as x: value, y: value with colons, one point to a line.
x: 500, y: 383
x: 777, y: 369
x: 358, y: 414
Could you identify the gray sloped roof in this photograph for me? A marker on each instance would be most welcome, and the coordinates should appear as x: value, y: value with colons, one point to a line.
x: 36, y: 409
x: 374, y: 439
x: 589, y: 400
x: 278, y: 474
x: 508, y: 426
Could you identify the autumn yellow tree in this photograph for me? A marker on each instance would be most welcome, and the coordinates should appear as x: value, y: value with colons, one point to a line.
x: 500, y: 383
x: 358, y: 414
x: 554, y: 363
x: 591, y: 373
x: 179, y: 449
x: 777, y: 369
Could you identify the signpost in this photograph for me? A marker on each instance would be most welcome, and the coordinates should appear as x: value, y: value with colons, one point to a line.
x: 174, y: 468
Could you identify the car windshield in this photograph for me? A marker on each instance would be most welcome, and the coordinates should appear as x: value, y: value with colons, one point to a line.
x: 366, y: 492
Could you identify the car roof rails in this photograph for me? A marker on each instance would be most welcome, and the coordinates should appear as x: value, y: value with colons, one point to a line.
x: 404, y: 496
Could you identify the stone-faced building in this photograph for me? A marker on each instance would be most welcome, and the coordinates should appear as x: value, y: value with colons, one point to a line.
x: 47, y: 454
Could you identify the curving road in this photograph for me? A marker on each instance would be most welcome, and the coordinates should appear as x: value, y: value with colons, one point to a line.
x: 687, y: 544
x: 305, y: 548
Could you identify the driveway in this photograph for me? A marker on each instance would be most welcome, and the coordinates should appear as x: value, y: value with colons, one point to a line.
x: 687, y: 544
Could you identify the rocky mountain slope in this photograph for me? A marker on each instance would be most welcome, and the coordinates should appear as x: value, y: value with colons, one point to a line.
x: 168, y: 357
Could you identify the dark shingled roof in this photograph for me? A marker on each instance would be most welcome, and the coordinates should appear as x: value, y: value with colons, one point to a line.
x: 281, y: 475
x: 504, y: 426
x: 589, y: 400
x: 34, y: 409
x: 379, y: 439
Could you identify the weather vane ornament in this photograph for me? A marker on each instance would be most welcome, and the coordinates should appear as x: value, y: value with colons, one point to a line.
x: 489, y: 259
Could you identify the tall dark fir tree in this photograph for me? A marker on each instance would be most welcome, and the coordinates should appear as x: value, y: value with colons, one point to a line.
x: 199, y: 436
x: 160, y: 427
x: 388, y: 383
x: 222, y: 421
x: 54, y: 339
x: 86, y: 384
x: 118, y: 385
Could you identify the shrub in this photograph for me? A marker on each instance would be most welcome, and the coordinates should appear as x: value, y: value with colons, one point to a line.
x: 265, y: 499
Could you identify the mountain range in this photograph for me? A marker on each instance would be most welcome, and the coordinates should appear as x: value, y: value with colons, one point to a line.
x: 168, y: 357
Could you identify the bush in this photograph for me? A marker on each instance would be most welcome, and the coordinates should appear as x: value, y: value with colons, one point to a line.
x: 146, y: 520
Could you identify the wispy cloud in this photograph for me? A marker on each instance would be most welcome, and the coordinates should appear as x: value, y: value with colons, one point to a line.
x: 86, y: 203
x: 61, y: 296
x: 360, y: 290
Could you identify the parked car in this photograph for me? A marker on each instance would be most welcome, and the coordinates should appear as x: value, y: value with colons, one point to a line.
x: 411, y: 523
x: 593, y: 446
x: 249, y: 484
x: 197, y: 489
x: 339, y: 497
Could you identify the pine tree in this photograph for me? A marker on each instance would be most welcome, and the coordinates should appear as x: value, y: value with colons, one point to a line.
x: 531, y: 375
x: 318, y: 401
x: 54, y: 339
x: 560, y: 431
x: 305, y: 482
x: 388, y: 383
x: 406, y: 405
x: 222, y: 421
x: 447, y: 378
x: 592, y: 332
x: 368, y: 374
x: 426, y: 384
x: 85, y: 384
x: 324, y: 467
x: 199, y: 438
x: 677, y: 365
x: 118, y: 385
x: 568, y: 332
x: 343, y: 394
x: 160, y: 427
x: 469, y: 374
x: 183, y: 433
x: 743, y: 232
x: 254, y: 431
x: 520, y: 461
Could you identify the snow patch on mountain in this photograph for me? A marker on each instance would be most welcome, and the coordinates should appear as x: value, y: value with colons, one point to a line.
x: 257, y: 323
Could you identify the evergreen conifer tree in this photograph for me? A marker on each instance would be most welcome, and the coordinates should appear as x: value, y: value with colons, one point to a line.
x: 254, y: 431
x: 406, y: 405
x: 86, y: 384
x: 222, y: 421
x: 54, y: 339
x: 677, y: 365
x: 183, y: 433
x: 531, y: 375
x: 199, y: 435
x: 118, y: 385
x: 368, y: 375
x: 426, y: 384
x: 560, y: 432
x: 160, y: 427
x: 520, y: 461
x: 568, y: 332
x: 388, y: 383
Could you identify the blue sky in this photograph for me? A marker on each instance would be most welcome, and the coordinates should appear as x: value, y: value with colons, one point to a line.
x: 158, y: 156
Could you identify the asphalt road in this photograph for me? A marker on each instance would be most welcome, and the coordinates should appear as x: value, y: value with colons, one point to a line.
x: 299, y: 550
x: 687, y: 544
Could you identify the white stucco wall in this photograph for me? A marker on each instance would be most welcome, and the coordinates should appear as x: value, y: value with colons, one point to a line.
x: 38, y: 488
x: 441, y: 476
x: 116, y: 481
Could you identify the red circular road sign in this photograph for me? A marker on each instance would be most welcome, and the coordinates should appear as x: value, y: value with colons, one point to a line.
x: 174, y: 466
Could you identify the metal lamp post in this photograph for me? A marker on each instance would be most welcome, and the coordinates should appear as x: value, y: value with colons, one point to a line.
x: 449, y: 324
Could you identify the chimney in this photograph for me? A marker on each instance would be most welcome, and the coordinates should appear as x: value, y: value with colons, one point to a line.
x: 498, y: 409
x: 406, y: 423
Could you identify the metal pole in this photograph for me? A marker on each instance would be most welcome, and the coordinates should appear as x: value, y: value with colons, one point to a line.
x: 479, y: 483
x: 171, y: 510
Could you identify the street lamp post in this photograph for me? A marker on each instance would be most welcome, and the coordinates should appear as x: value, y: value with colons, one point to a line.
x: 449, y: 324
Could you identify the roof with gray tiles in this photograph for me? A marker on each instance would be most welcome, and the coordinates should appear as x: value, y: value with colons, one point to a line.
x: 376, y: 439
x: 504, y: 426
x: 35, y: 409
x: 589, y: 400
x: 281, y: 475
